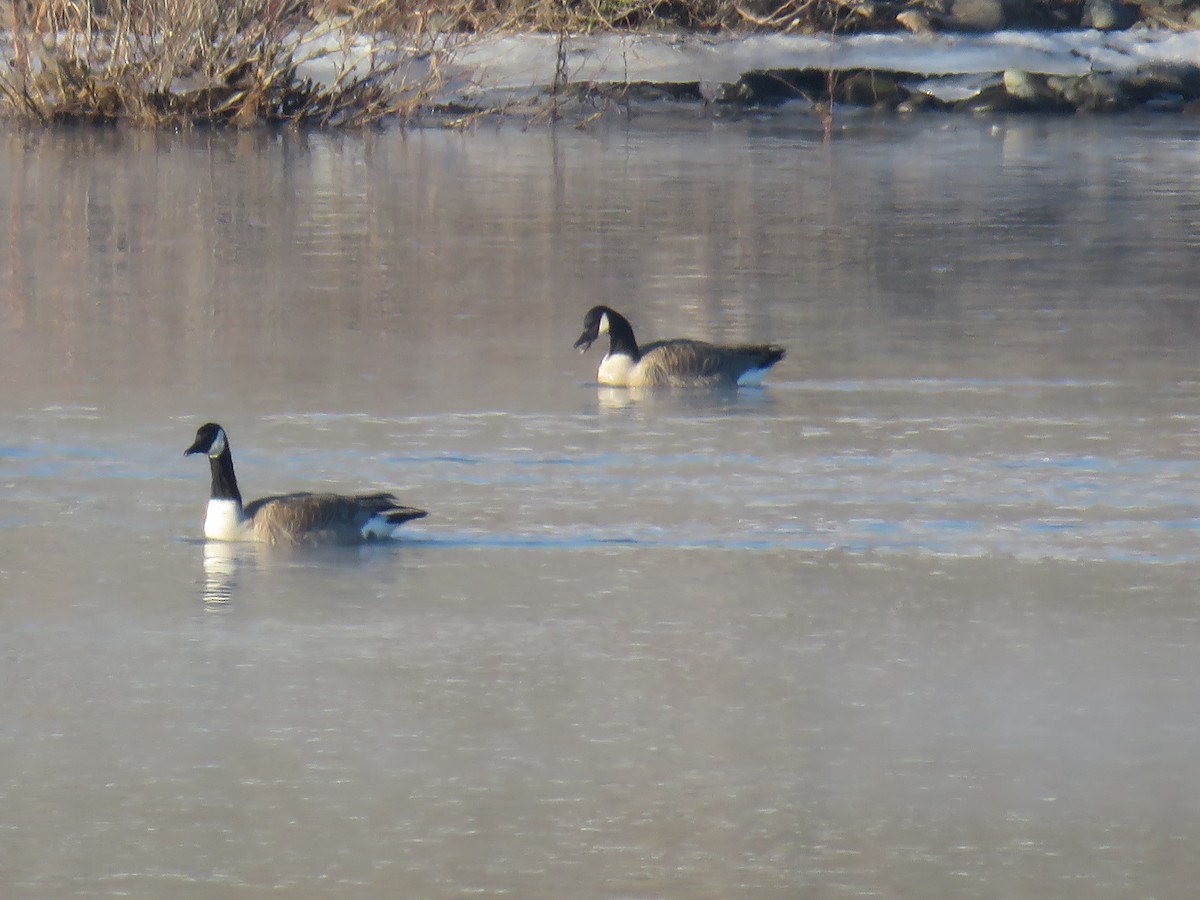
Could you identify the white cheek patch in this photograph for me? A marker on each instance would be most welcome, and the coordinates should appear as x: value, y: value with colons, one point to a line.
x: 602, y: 328
x: 218, y: 445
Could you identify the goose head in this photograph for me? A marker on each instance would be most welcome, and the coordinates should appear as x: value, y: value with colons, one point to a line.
x: 595, y: 323
x: 210, y: 440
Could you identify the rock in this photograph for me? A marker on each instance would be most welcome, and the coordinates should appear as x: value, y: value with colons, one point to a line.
x: 919, y: 102
x: 776, y: 86
x: 1163, y: 85
x: 1096, y: 92
x: 1107, y: 15
x: 871, y: 89
x: 977, y: 15
x: 915, y: 21
x: 993, y: 99
x: 994, y: 15
x: 1156, y: 86
x: 1038, y: 93
x: 647, y: 92
x: 1026, y: 86
x: 1189, y: 80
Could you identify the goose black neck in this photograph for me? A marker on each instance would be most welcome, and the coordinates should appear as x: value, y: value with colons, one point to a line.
x: 620, y: 336
x: 224, y: 482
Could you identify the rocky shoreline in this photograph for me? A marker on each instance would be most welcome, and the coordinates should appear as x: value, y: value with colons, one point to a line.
x: 927, y: 16
x: 585, y: 77
x: 974, y: 56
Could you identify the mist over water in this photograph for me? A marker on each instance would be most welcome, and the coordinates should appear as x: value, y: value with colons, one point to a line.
x: 915, y: 619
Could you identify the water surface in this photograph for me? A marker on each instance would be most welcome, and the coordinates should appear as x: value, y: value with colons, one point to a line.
x: 916, y: 619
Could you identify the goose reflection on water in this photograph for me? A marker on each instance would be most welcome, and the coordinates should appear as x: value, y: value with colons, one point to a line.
x: 221, y: 561
x: 655, y: 401
x: 224, y: 562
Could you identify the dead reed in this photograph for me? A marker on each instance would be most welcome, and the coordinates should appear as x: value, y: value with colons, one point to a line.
x: 156, y: 62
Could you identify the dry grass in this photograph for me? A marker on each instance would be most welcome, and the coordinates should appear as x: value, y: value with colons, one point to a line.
x: 152, y: 62
x: 582, y: 16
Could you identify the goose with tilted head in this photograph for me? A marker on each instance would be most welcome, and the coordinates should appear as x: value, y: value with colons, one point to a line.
x: 674, y: 363
x: 300, y: 518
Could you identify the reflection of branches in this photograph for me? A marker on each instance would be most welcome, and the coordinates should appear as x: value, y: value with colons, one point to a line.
x: 827, y: 111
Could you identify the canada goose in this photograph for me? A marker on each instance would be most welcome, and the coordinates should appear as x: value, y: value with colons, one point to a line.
x: 290, y: 518
x: 675, y: 363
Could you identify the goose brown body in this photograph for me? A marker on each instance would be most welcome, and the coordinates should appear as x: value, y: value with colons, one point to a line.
x: 297, y: 518
x: 325, y: 518
x: 672, y: 363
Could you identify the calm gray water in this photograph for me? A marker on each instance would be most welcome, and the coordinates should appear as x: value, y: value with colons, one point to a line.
x: 918, y: 619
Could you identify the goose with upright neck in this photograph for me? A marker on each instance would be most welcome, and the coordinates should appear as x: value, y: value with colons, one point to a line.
x: 680, y: 362
x: 298, y: 518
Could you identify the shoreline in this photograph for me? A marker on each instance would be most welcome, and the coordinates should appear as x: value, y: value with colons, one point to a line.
x: 332, y: 74
x: 1008, y: 71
